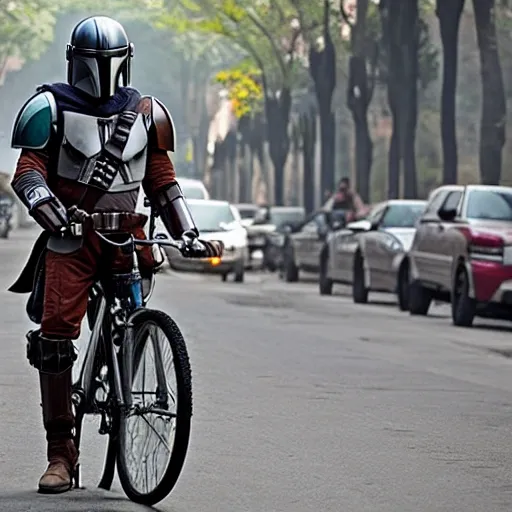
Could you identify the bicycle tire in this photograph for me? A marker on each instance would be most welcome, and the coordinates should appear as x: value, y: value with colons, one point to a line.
x: 183, y: 375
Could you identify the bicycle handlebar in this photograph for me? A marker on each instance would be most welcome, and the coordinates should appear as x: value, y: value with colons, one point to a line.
x: 177, y: 244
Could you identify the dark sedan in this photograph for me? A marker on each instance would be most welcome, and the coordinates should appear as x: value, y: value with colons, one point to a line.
x: 267, y: 221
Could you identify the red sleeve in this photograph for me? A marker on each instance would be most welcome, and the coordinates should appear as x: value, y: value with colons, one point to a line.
x: 31, y: 161
x: 159, y: 171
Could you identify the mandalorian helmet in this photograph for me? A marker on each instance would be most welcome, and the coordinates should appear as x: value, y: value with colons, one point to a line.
x: 99, y: 57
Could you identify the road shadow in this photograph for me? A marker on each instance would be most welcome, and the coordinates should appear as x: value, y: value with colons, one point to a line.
x: 77, y: 500
x: 493, y: 327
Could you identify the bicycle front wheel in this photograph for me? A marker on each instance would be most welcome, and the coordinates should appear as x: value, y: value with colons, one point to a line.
x: 154, y: 429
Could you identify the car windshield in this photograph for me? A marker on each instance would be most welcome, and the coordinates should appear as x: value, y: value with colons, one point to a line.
x: 193, y: 192
x: 209, y: 216
x: 402, y: 215
x: 280, y: 217
x: 490, y: 205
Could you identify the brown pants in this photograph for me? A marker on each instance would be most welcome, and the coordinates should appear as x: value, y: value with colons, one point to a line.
x: 69, y: 278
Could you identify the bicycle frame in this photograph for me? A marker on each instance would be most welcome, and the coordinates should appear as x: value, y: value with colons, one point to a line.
x: 83, y: 388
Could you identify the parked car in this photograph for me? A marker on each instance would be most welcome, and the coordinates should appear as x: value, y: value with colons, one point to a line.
x: 368, y: 254
x: 266, y: 221
x: 462, y: 253
x: 278, y: 241
x: 247, y: 212
x: 302, y: 248
x: 216, y: 220
x: 6, y: 214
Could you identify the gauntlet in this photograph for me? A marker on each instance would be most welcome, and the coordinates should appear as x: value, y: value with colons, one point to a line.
x: 41, y: 202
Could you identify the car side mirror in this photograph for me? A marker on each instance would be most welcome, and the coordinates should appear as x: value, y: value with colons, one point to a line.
x: 447, y: 214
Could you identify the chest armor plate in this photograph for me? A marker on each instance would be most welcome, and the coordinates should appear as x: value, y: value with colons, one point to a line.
x: 106, y: 153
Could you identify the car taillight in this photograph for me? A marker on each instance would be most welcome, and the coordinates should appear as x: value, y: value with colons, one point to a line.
x: 484, y: 246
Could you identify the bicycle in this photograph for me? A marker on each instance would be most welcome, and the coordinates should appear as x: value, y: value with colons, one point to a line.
x: 121, y: 328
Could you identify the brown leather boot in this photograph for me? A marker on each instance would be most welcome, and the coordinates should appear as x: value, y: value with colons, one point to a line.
x: 59, y: 422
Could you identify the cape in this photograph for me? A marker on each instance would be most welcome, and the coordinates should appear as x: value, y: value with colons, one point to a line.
x: 74, y: 100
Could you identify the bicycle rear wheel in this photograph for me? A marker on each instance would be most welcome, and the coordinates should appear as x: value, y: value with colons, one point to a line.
x: 154, y: 429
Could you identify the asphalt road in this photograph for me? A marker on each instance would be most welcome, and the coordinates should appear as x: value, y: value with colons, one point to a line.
x: 302, y: 404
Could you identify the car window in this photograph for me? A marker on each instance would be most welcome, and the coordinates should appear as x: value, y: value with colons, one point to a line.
x: 436, y: 200
x: 375, y: 215
x: 489, y: 205
x: 247, y: 213
x: 209, y: 216
x: 452, y: 200
x: 318, y: 220
x: 402, y: 215
x: 193, y: 192
x: 280, y: 217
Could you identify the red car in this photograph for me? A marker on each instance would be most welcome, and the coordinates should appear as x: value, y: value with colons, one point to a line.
x: 462, y: 253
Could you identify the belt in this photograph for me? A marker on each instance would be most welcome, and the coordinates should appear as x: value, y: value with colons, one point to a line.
x: 117, y: 221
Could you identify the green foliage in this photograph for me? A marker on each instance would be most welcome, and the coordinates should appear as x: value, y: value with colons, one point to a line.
x: 261, y: 31
x: 26, y: 28
x: 244, y: 88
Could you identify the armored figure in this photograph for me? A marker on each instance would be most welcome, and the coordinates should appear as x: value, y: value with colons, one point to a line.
x: 88, y: 145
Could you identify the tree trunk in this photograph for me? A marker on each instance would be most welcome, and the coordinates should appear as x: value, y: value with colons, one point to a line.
x: 494, y: 115
x: 449, y: 14
x: 394, y: 160
x: 308, y: 132
x: 278, y: 116
x: 322, y: 67
x: 257, y: 138
x: 391, y: 35
x: 358, y: 99
x: 410, y: 48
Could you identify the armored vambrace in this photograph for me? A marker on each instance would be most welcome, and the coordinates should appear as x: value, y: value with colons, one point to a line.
x: 41, y: 202
x: 174, y: 212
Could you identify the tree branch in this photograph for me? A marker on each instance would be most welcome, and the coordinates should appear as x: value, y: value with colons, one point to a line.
x: 268, y: 35
x: 282, y: 16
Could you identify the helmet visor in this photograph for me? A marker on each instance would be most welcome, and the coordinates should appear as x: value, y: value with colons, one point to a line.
x: 98, y: 72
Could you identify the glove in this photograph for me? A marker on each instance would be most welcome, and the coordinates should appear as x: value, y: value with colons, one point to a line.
x: 214, y: 248
x: 195, y: 248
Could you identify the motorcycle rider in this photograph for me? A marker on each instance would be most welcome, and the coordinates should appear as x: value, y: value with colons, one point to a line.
x: 89, y: 143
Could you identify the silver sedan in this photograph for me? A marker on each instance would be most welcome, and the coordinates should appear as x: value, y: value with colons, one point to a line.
x: 368, y: 253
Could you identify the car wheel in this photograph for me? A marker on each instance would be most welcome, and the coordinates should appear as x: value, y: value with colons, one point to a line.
x: 403, y: 287
x: 359, y: 290
x: 291, y: 272
x: 324, y: 282
x: 239, y: 273
x: 419, y: 299
x: 463, y: 306
x: 224, y: 277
